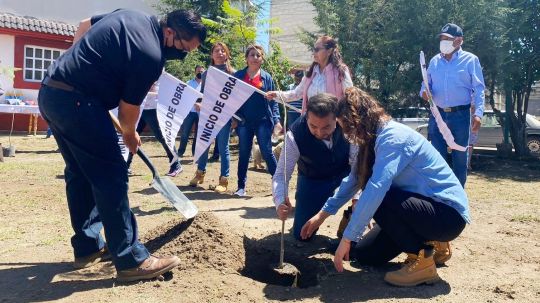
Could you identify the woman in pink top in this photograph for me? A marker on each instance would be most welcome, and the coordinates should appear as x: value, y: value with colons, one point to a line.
x: 327, y: 74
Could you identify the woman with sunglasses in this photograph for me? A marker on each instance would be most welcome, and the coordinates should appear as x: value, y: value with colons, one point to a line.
x: 220, y: 59
x: 327, y: 74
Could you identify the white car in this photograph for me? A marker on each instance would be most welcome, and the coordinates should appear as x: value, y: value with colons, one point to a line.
x: 491, y: 132
x: 413, y: 117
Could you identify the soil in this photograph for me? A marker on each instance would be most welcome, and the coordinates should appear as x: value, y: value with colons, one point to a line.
x: 230, y: 250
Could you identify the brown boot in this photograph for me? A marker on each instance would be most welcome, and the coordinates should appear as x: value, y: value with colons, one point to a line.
x: 410, y: 258
x: 90, y: 260
x: 422, y: 270
x: 151, y: 268
x: 442, y: 252
x: 198, y: 178
x: 222, y: 186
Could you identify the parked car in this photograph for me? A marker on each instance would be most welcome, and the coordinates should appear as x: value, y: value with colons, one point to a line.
x: 413, y: 117
x: 491, y: 132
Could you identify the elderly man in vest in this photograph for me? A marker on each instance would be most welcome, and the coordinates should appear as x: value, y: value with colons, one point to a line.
x: 316, y: 143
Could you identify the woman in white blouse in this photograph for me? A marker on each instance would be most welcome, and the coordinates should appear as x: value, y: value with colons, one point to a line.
x: 327, y: 74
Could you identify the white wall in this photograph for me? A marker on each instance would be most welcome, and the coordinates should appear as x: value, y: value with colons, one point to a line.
x: 71, y: 11
x: 7, y: 48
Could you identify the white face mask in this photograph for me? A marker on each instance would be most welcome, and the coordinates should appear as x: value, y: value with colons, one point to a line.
x: 446, y: 46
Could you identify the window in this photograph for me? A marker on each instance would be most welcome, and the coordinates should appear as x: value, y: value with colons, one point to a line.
x: 37, y: 60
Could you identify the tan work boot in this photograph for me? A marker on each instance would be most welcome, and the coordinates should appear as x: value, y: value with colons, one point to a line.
x: 442, y: 252
x: 90, y: 260
x: 223, y: 185
x: 198, y: 178
x: 151, y: 268
x: 410, y: 258
x: 422, y: 270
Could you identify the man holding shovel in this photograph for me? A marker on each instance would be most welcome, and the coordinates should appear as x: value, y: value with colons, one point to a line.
x: 317, y: 144
x: 113, y: 62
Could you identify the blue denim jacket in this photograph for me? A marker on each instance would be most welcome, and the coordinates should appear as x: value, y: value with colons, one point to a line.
x: 406, y: 160
x: 272, y: 110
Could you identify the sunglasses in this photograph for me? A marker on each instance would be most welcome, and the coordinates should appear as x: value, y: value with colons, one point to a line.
x: 317, y: 49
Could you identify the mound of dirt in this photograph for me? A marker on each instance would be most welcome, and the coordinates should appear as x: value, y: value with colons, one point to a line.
x: 199, y: 243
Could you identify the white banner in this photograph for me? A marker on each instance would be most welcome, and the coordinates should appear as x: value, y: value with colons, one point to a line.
x: 175, y: 100
x: 123, y: 148
x: 223, y: 96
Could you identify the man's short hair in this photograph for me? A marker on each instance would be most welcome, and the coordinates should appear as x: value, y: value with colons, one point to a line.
x: 322, y: 105
x: 187, y: 23
x: 198, y: 66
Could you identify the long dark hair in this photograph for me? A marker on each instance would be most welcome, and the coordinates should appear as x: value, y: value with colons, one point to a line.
x: 228, y: 66
x: 335, y: 57
x: 360, y: 117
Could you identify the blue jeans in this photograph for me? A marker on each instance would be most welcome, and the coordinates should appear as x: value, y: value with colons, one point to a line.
x: 459, y: 123
x: 96, y: 176
x: 149, y: 117
x: 246, y: 132
x: 222, y: 140
x: 311, y: 194
x: 192, y: 118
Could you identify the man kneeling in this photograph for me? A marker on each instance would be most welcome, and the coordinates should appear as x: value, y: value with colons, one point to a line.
x: 316, y: 143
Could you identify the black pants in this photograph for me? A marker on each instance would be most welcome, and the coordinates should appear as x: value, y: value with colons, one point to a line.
x: 407, y: 221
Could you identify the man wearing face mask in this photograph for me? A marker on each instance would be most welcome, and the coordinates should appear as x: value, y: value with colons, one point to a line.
x: 456, y: 82
x: 193, y: 116
x: 113, y: 62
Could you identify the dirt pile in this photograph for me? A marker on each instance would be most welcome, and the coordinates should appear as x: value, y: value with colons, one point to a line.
x: 203, y: 242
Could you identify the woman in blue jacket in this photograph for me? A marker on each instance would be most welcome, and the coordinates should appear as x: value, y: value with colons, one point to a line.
x: 259, y: 117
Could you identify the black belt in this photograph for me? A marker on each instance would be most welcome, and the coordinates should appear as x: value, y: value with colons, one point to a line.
x: 454, y: 108
x: 58, y: 84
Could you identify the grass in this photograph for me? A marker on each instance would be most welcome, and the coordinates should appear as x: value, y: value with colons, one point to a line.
x: 525, y: 219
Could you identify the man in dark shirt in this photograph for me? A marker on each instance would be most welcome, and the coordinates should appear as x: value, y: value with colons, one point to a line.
x: 113, y: 62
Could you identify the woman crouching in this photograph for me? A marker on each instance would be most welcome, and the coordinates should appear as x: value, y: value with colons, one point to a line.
x: 408, y: 189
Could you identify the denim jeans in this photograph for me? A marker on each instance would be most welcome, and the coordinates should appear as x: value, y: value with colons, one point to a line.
x: 459, y: 123
x: 222, y: 140
x: 407, y: 221
x: 96, y: 176
x: 191, y: 119
x: 149, y: 117
x: 311, y: 194
x: 246, y: 132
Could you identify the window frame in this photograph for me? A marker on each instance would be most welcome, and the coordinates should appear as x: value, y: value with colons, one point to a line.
x: 35, y: 59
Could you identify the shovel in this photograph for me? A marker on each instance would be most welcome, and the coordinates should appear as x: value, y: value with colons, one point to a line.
x: 164, y: 186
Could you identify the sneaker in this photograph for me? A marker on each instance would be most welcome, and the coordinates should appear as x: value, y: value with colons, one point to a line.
x: 175, y: 170
x: 92, y: 259
x: 418, y: 271
x: 240, y: 192
x: 150, y: 268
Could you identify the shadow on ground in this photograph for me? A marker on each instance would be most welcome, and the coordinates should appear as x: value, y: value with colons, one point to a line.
x: 39, y: 282
x: 318, y: 278
x: 493, y: 168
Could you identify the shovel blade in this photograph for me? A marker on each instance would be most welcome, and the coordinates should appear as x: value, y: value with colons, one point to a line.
x: 169, y: 190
